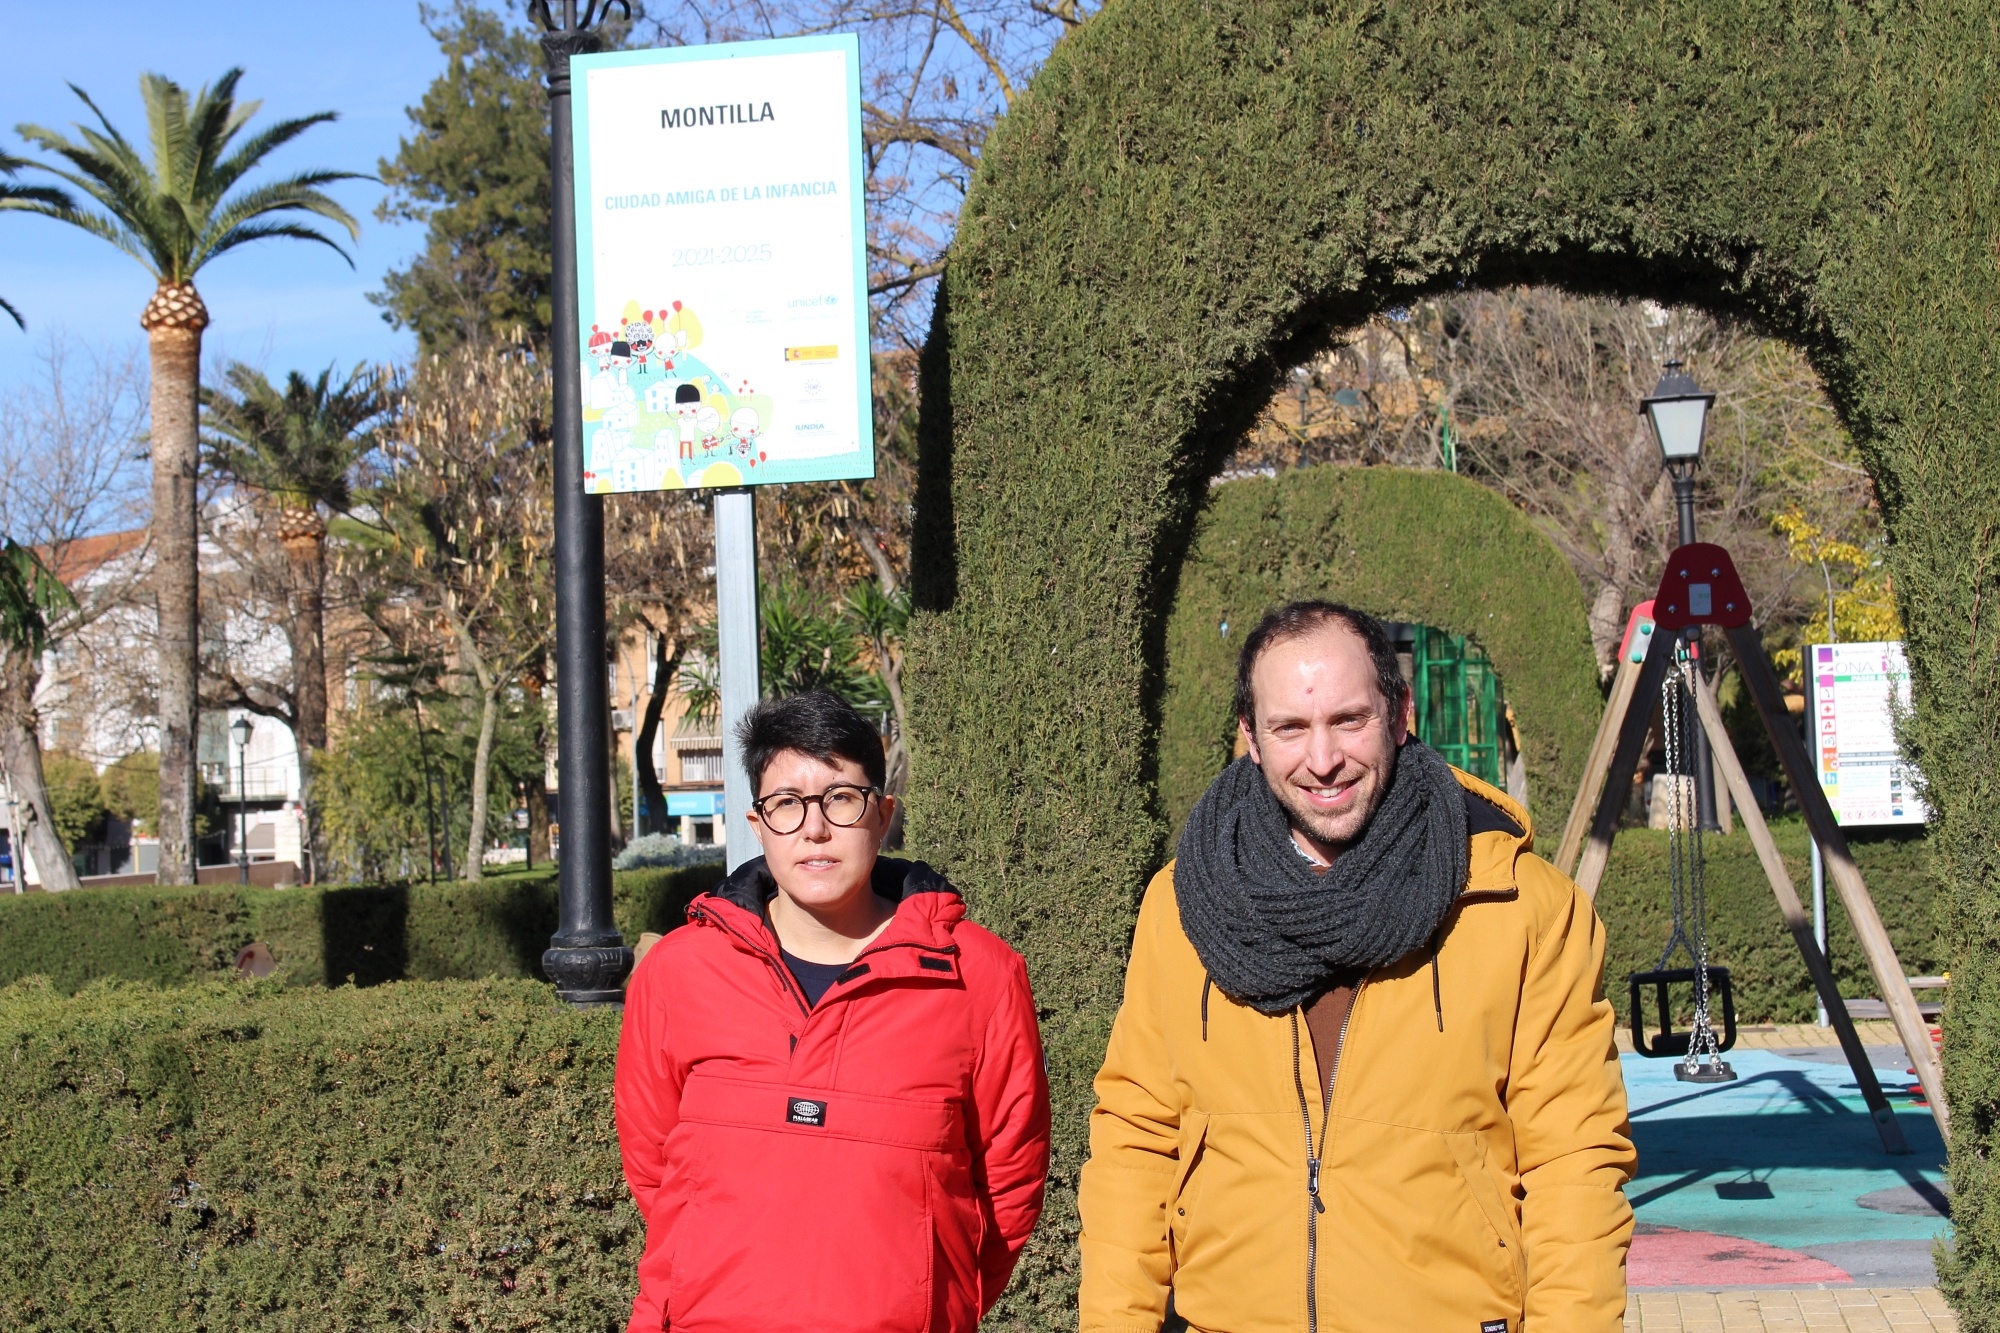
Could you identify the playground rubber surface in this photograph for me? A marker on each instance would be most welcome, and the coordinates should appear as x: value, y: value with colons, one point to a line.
x: 1778, y: 1179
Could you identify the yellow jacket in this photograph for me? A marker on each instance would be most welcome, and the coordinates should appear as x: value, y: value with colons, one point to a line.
x: 1472, y: 1170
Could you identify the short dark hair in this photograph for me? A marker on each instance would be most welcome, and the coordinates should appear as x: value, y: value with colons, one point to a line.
x: 1297, y: 619
x: 818, y: 723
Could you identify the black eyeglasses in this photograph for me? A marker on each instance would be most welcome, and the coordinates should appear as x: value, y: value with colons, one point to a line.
x: 785, y: 812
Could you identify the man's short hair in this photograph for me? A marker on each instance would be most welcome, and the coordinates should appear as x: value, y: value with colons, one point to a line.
x: 818, y: 723
x: 1295, y: 620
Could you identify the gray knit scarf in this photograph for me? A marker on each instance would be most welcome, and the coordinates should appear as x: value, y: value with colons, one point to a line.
x: 1272, y: 929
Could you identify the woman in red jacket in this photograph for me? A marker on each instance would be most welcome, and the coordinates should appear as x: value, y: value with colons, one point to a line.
x: 831, y: 1097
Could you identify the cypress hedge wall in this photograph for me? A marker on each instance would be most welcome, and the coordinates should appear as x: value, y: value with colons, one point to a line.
x: 251, y: 1156
x: 1192, y: 196
x: 368, y: 934
x: 1404, y: 545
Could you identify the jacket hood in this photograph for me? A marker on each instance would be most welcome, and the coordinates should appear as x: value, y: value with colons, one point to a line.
x: 1501, y: 834
x: 928, y: 907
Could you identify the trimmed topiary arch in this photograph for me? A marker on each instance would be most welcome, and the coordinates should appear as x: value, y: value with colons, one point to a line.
x: 1405, y: 545
x: 1194, y: 195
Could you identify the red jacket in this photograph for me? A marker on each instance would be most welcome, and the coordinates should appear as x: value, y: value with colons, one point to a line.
x: 875, y: 1164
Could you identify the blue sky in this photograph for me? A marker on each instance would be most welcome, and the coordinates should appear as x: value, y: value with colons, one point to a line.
x: 277, y: 304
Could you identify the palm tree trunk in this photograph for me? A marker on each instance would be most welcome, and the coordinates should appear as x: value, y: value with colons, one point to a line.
x: 173, y: 321
x: 305, y: 551
x: 21, y: 761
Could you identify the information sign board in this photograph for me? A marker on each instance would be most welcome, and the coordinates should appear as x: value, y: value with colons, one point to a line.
x: 721, y: 271
x: 1853, y: 727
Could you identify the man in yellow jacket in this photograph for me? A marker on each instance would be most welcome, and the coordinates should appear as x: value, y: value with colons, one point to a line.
x: 1364, y: 1077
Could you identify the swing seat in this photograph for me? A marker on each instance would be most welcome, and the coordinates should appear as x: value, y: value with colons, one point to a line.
x: 1667, y: 1043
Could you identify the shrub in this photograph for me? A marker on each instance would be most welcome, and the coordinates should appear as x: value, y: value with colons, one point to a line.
x: 76, y: 797
x: 664, y: 851
x: 131, y: 787
x: 239, y: 1156
x: 494, y: 927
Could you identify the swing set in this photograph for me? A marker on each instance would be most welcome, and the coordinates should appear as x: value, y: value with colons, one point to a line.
x: 1700, y: 587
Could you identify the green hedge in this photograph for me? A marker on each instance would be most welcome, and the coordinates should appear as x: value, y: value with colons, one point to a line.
x: 1745, y: 932
x: 495, y: 927
x: 250, y: 1156
x: 1429, y: 547
x: 1193, y: 196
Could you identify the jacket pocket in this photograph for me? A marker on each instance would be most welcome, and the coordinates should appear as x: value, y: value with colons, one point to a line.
x: 1469, y: 1150
x: 1416, y: 1234
x: 794, y: 1227
x: 1187, y: 1180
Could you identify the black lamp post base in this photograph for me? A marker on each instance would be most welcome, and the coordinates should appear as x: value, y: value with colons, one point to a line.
x: 591, y: 974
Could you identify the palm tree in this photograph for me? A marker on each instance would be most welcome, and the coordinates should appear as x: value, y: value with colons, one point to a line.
x: 22, y: 196
x: 173, y: 214
x: 295, y: 450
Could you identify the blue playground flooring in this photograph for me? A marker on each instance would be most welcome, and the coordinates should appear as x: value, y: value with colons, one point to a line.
x: 1784, y: 1155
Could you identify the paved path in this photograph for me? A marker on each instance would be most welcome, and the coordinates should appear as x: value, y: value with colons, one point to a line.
x: 1767, y: 1203
x: 1891, y: 1310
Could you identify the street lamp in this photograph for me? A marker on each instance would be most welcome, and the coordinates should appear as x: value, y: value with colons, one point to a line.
x: 587, y: 958
x: 240, y: 728
x: 1678, y: 414
x: 1677, y: 410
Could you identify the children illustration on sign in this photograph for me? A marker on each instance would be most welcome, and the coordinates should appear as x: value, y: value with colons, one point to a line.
x: 655, y: 415
x: 639, y: 337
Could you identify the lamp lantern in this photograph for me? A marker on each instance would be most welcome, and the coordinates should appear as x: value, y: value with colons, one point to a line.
x: 1677, y: 410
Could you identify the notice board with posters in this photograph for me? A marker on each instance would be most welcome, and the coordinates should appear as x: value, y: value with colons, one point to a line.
x: 1860, y: 766
x: 721, y: 270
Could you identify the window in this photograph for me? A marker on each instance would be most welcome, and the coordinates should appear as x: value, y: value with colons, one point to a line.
x: 701, y: 766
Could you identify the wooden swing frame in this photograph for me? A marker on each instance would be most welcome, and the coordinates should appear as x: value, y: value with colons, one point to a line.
x: 1700, y: 587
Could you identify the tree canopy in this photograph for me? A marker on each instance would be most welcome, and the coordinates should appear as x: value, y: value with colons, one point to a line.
x: 181, y: 208
x: 474, y: 171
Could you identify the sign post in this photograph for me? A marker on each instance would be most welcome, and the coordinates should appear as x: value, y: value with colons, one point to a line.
x: 723, y: 316
x: 736, y: 646
x: 1854, y: 690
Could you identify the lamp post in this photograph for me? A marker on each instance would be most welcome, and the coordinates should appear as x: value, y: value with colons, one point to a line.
x: 1677, y: 410
x: 587, y: 958
x: 240, y: 729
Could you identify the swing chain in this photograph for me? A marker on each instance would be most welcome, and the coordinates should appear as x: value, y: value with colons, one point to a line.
x: 1686, y: 861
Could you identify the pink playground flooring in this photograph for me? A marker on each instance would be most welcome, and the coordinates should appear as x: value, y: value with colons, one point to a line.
x: 1668, y: 1257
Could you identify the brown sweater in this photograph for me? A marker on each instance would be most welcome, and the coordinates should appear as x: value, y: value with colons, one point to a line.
x: 1325, y: 1017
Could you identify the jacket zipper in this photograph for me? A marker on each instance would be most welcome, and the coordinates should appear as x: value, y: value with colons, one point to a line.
x: 777, y: 965
x: 1315, y: 1205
